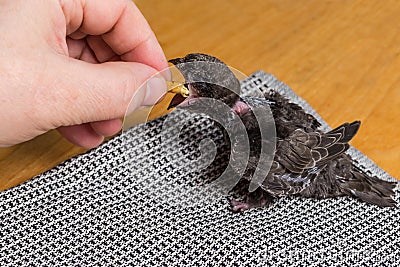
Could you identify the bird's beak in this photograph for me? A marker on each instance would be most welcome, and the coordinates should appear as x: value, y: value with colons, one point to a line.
x: 181, y: 93
x: 180, y: 89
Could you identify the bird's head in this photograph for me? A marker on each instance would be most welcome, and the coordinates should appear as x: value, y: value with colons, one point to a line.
x: 206, y: 77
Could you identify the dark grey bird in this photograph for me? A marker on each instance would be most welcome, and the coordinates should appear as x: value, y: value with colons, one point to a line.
x: 307, y: 162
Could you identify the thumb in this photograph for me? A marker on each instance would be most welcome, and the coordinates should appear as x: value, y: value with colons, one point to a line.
x: 97, y: 92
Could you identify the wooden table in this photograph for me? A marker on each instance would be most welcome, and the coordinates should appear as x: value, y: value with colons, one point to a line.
x: 343, y: 57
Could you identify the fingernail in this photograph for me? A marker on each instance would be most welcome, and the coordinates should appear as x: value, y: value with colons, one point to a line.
x: 156, y: 89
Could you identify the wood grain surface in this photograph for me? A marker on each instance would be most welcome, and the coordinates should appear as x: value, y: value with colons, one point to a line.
x: 342, y: 56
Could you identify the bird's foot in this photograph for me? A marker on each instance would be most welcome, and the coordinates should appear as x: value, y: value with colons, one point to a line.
x: 256, y: 199
x: 238, y: 206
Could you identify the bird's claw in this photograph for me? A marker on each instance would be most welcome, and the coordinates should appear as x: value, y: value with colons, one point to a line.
x: 238, y: 206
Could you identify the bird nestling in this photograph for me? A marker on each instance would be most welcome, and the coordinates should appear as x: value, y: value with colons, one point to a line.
x: 307, y: 162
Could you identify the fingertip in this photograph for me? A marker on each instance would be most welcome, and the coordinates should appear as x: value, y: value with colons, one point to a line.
x: 149, y: 93
x: 81, y: 135
x: 106, y: 90
x: 107, y: 128
x: 156, y: 88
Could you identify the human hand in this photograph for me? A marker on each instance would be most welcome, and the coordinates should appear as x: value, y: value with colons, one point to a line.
x: 73, y: 65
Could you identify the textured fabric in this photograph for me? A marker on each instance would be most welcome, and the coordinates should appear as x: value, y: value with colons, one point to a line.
x: 139, y: 200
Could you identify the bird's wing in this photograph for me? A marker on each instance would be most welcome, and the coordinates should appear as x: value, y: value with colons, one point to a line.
x: 302, y: 151
x: 300, y: 157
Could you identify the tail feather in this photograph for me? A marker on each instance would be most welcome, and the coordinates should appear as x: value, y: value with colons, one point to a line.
x: 372, y: 199
x: 370, y: 189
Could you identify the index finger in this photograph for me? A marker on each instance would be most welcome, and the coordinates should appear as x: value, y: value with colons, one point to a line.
x: 121, y: 25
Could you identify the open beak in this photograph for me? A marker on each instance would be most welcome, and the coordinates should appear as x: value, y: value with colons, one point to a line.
x: 181, y: 93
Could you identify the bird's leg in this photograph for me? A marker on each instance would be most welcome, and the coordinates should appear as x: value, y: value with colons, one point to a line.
x: 257, y: 199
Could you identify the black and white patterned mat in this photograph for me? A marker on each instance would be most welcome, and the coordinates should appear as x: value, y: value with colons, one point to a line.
x: 131, y: 202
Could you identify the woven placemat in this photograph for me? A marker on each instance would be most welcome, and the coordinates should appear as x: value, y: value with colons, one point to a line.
x: 137, y: 200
